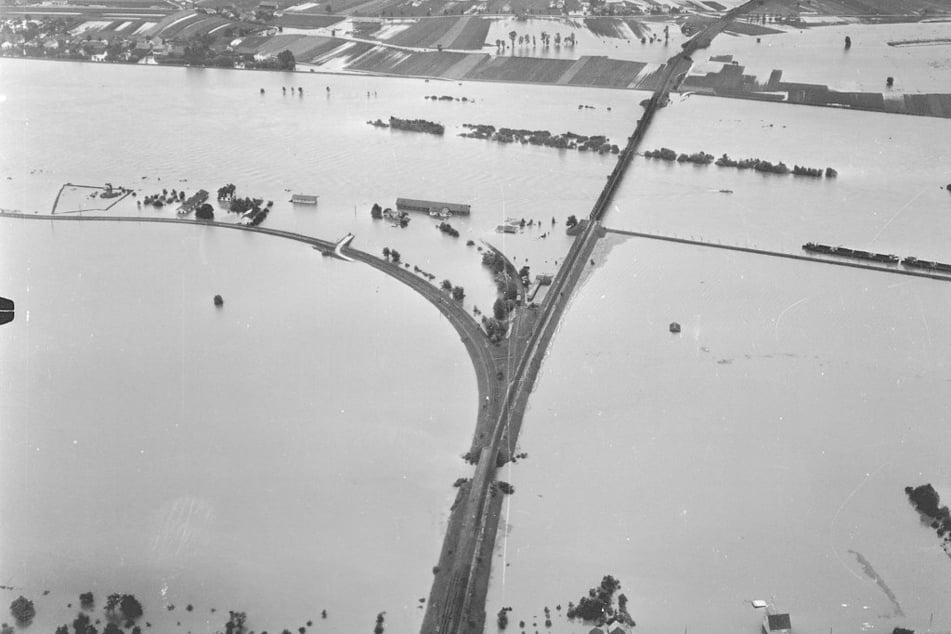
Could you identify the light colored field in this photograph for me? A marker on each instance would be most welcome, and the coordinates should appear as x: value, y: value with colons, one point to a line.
x: 302, y: 7
x: 89, y: 26
x: 308, y: 20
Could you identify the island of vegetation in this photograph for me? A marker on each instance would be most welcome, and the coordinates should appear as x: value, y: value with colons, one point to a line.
x: 565, y: 141
x: 509, y: 283
x: 411, y: 125
x: 760, y: 165
x: 598, y: 605
x: 121, y: 611
x: 448, y: 98
x: 22, y: 610
x: 165, y: 198
x: 448, y: 229
x: 927, y: 502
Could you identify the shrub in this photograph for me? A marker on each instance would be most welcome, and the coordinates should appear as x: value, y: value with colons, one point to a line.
x: 22, y: 610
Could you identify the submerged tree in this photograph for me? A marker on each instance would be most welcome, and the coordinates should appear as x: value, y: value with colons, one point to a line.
x: 205, y: 212
x: 124, y: 606
x: 22, y: 610
x: 235, y: 624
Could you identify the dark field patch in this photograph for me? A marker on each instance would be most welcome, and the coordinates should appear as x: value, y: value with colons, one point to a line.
x: 424, y: 33
x: 527, y: 69
x: 880, y: 7
x: 202, y: 27
x: 384, y: 60
x: 304, y: 47
x: 322, y: 47
x: 472, y: 36
x: 296, y: 20
x: 601, y: 71
x: 748, y: 28
x: 604, y: 26
x: 366, y: 29
x: 614, y: 27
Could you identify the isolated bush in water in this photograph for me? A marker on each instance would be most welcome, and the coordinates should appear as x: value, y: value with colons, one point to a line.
x: 22, y: 610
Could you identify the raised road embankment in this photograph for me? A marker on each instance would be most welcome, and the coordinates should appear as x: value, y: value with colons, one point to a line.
x: 486, y: 358
x: 457, y: 600
x: 782, y: 254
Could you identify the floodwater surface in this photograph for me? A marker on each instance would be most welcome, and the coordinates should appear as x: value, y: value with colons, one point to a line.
x: 761, y: 453
x: 291, y: 451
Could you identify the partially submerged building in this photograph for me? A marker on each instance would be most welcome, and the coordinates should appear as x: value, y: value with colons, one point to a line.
x: 433, y: 207
x: 777, y: 624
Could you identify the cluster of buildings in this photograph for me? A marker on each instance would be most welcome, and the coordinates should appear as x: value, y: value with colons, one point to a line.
x: 193, y: 36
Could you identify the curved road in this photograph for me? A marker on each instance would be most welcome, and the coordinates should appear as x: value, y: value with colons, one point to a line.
x: 485, y: 360
x: 457, y: 599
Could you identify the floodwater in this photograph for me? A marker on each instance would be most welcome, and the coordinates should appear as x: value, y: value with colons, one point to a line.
x: 763, y: 452
x: 818, y: 56
x: 756, y: 455
x: 84, y: 123
x: 277, y: 456
x: 191, y: 454
x: 889, y: 195
x: 256, y: 457
x: 625, y: 47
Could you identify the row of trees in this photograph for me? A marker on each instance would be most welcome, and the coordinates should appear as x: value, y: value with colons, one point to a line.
x: 546, y: 38
x: 457, y: 292
x: 119, y: 608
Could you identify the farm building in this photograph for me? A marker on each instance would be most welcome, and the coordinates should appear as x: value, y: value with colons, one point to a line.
x: 777, y: 624
x: 303, y: 199
x: 429, y: 206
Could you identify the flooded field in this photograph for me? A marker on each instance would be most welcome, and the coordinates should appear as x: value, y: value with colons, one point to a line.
x: 57, y: 115
x: 587, y: 42
x: 247, y: 457
x: 889, y: 195
x: 276, y: 456
x: 759, y: 454
x: 817, y: 55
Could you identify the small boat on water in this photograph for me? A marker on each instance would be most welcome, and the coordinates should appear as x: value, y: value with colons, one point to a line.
x: 726, y: 191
